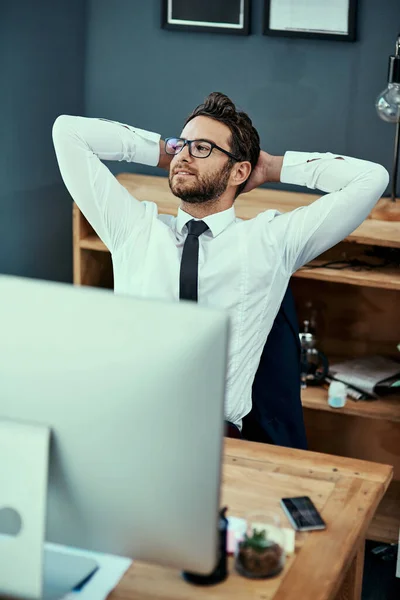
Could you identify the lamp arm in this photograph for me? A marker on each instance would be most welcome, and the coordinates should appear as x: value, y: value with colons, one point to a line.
x: 395, y: 161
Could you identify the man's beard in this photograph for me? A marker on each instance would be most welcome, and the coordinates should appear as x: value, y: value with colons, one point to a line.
x: 204, y: 189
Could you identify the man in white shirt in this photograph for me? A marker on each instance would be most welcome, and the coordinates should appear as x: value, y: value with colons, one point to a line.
x: 206, y: 254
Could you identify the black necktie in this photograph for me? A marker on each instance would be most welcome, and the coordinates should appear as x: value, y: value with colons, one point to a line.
x: 190, y: 261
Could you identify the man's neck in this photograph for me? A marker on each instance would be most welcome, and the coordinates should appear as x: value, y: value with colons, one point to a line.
x: 205, y: 209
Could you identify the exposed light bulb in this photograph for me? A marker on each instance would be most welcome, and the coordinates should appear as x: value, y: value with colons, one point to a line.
x: 388, y: 102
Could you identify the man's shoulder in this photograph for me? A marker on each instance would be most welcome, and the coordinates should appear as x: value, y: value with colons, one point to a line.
x: 263, y: 217
x: 168, y: 220
x: 152, y: 214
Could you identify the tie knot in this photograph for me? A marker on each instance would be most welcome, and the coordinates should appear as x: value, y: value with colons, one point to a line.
x: 196, y: 228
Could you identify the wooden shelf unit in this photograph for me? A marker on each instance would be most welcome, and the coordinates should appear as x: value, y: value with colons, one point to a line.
x: 371, y: 233
x: 93, y: 242
x: 387, y: 409
x: 386, y: 522
x: 358, y: 313
x: 385, y: 278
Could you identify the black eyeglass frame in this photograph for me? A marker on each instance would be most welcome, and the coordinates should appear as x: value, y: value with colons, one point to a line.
x: 189, y: 143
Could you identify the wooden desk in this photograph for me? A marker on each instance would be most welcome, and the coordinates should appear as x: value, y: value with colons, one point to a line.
x: 326, y: 565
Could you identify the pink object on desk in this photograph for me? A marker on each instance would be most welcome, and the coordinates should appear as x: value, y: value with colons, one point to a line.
x: 236, y: 532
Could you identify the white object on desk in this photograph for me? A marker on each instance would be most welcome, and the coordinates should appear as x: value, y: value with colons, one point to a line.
x: 337, y: 394
x: 110, y: 570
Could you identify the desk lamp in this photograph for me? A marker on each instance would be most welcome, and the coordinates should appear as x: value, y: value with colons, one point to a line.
x: 388, y: 108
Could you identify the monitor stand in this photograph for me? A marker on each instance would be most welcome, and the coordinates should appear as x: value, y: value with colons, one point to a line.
x: 26, y: 570
x: 63, y: 572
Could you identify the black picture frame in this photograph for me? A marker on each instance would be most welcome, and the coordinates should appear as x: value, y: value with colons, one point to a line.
x: 239, y: 28
x: 351, y: 36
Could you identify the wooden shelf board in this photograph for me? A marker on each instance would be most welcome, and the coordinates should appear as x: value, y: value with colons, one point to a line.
x: 156, y: 189
x: 385, y: 525
x: 316, y: 398
x: 92, y: 242
x: 385, y: 278
x: 377, y: 233
x: 382, y: 277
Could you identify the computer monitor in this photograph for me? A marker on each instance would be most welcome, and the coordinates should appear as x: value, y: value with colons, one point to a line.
x: 132, y: 392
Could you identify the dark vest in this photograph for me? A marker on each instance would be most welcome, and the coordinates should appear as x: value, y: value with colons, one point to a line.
x: 277, y: 416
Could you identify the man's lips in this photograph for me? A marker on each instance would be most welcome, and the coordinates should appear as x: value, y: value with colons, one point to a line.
x: 183, y: 173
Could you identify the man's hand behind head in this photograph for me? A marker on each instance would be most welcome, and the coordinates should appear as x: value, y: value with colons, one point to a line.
x: 268, y: 168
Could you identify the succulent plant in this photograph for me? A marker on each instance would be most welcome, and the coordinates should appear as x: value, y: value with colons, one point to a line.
x: 259, y: 556
x: 257, y: 541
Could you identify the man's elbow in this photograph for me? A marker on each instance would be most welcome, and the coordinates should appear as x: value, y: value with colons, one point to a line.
x: 61, y: 126
x: 382, y: 178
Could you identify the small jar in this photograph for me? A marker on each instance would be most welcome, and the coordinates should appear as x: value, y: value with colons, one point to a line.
x: 337, y: 394
x: 261, y: 553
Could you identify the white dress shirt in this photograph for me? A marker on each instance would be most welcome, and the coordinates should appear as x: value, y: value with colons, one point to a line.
x: 244, y: 266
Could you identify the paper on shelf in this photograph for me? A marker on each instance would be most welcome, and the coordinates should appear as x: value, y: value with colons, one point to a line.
x: 365, y: 373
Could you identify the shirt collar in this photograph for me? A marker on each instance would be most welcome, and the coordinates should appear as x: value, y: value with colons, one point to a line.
x: 216, y: 222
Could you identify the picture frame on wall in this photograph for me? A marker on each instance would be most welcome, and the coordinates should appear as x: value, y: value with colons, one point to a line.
x: 211, y: 16
x: 334, y: 20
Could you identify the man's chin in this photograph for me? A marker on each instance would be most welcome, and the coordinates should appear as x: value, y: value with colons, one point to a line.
x: 182, y: 189
x: 191, y: 192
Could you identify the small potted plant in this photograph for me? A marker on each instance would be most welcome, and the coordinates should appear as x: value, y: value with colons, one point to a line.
x: 258, y: 556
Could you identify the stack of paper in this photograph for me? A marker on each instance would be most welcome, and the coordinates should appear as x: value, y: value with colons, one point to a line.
x: 372, y: 375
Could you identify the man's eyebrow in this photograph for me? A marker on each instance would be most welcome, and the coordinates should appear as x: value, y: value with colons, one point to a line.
x: 212, y: 142
x: 204, y: 140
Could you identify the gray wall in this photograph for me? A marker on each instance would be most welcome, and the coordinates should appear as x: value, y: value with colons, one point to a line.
x: 42, y: 47
x: 112, y: 59
x: 311, y: 95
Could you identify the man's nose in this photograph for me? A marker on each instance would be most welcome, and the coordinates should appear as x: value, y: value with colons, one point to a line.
x: 185, y: 154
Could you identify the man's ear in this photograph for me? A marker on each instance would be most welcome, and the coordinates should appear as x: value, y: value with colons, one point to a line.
x: 240, y: 172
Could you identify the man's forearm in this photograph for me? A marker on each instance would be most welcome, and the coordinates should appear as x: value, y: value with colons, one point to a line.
x: 81, y: 144
x: 351, y: 188
x: 165, y: 159
x: 273, y: 169
x: 268, y: 169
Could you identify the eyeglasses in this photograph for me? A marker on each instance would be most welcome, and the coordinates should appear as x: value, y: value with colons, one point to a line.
x: 197, y: 148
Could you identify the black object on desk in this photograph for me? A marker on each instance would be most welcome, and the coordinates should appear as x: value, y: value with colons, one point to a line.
x: 220, y: 572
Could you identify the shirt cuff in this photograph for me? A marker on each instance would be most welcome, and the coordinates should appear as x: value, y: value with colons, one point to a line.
x: 296, y: 166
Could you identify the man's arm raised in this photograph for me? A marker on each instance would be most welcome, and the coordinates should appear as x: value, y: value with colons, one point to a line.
x: 81, y: 144
x: 352, y: 187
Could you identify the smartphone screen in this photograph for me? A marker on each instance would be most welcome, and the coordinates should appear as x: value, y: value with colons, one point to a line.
x: 302, y: 513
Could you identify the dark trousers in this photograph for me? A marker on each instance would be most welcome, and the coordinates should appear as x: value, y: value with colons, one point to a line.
x: 253, y: 431
x: 232, y: 431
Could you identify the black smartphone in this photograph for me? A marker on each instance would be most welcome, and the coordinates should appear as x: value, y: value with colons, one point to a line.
x: 302, y: 513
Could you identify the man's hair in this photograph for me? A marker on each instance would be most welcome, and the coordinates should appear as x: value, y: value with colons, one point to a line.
x: 245, y: 141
